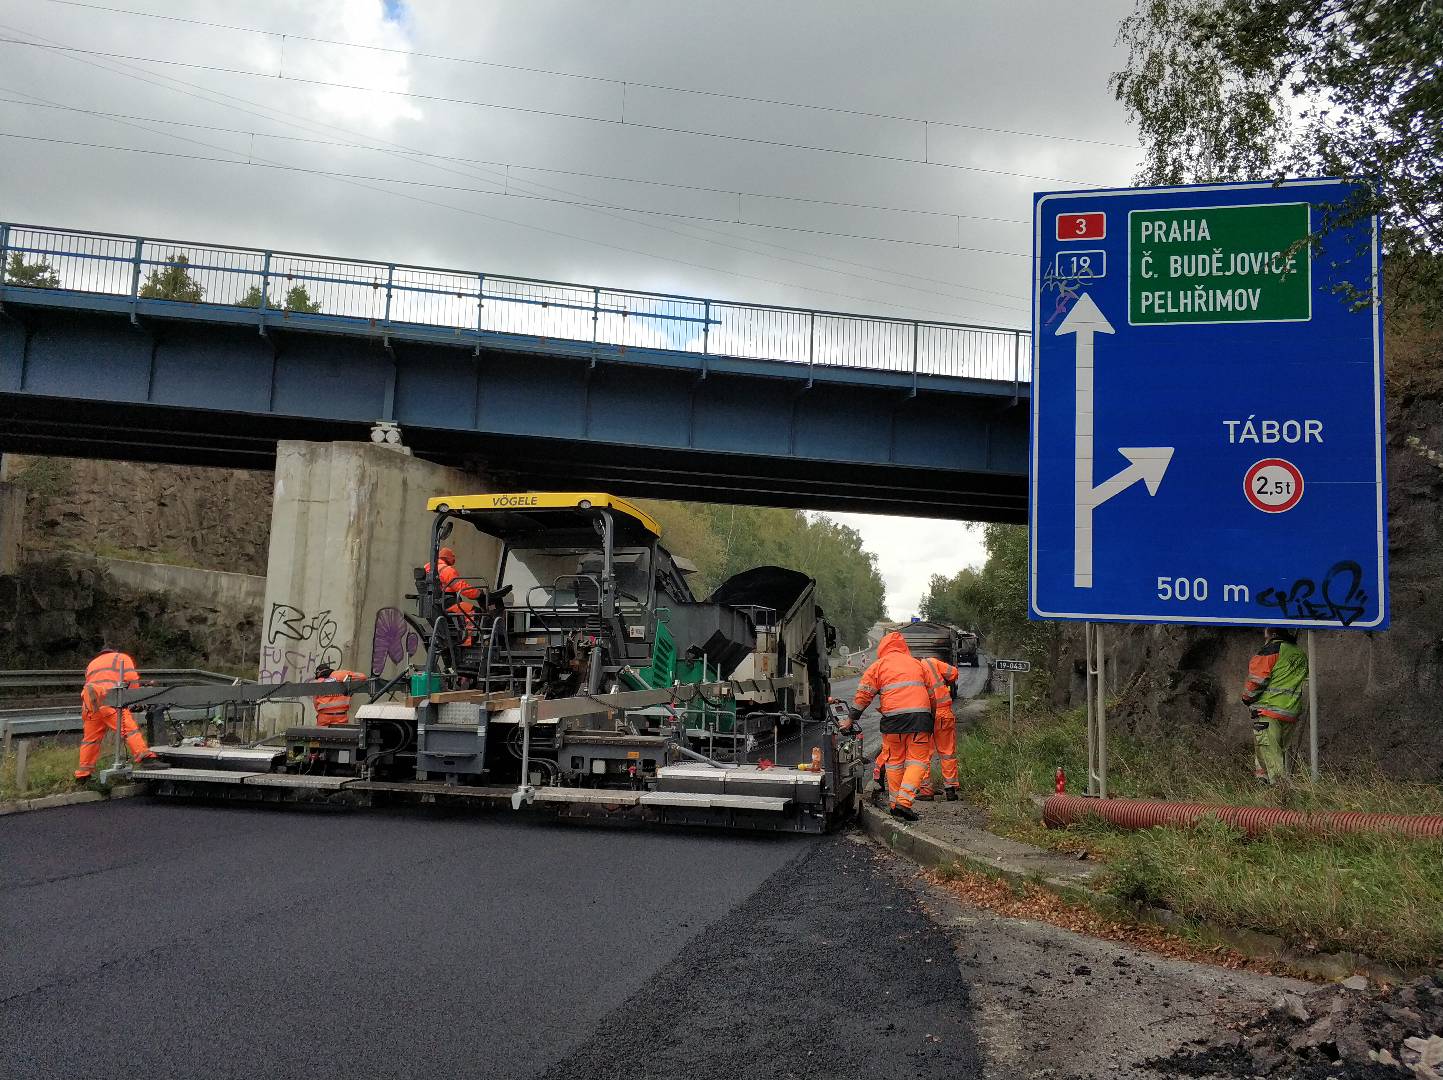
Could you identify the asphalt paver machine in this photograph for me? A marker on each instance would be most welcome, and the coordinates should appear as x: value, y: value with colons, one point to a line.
x: 582, y: 677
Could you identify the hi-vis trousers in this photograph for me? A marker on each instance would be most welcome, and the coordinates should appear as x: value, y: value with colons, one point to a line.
x: 908, y: 758
x: 944, y: 746
x: 96, y: 723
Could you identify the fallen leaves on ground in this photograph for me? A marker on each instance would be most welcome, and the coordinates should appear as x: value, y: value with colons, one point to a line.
x: 1037, y: 904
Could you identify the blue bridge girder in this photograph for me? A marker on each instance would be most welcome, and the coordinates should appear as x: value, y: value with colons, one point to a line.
x: 538, y: 384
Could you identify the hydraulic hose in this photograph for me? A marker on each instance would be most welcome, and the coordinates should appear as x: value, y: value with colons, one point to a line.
x: 1059, y: 811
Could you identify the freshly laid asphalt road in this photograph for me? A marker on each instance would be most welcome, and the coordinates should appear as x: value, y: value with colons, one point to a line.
x: 162, y: 940
x: 155, y: 940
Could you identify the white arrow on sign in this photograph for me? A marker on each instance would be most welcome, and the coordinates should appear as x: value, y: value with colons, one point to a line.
x: 1145, y: 463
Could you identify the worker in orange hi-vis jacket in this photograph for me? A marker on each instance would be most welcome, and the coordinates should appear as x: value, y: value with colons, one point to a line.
x: 110, y: 670
x: 332, y: 709
x: 907, y: 690
x: 944, y: 732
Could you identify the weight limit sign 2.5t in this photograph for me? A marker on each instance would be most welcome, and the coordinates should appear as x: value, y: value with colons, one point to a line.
x: 1207, y: 436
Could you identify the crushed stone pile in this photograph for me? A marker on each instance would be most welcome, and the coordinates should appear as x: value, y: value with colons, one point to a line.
x: 1347, y: 1031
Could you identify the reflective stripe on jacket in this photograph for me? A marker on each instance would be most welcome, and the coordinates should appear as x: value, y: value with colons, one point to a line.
x: 332, y: 708
x: 105, y: 673
x: 1275, y: 681
x: 945, y: 676
x: 906, y: 686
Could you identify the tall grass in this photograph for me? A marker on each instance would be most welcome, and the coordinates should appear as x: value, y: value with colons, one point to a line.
x: 1380, y: 895
x: 51, y: 770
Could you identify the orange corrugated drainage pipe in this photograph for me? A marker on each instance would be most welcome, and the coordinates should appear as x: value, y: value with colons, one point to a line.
x: 1059, y: 811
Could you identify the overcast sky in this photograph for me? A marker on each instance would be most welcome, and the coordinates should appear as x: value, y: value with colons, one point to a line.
x: 949, y: 242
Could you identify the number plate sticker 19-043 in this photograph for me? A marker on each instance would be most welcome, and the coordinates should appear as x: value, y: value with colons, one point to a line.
x: 1207, y: 408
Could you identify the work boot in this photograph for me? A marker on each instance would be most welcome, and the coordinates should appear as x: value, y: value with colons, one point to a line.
x: 152, y: 761
x: 951, y: 794
x: 925, y: 796
x: 905, y: 813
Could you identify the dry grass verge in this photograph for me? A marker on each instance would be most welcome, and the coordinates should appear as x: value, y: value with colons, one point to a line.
x: 1378, y: 895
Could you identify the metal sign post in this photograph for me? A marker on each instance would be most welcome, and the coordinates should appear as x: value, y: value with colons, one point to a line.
x: 1312, y: 710
x: 1095, y: 693
x: 1101, y: 714
x: 1011, y: 694
x: 1012, y: 667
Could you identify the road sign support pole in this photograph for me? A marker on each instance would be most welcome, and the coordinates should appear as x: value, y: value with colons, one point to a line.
x: 1011, y: 695
x: 1101, y: 714
x: 1312, y: 710
x: 1087, y: 670
x: 1096, y: 694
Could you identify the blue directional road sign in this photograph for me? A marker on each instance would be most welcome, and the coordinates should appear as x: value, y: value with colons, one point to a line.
x: 1207, y: 409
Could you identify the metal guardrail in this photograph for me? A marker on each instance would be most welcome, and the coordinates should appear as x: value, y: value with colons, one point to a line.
x: 74, y: 678
x: 62, y: 719
x: 471, y: 307
x: 22, y: 723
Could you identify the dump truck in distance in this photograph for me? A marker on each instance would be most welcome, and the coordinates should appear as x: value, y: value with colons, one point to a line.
x: 941, y: 640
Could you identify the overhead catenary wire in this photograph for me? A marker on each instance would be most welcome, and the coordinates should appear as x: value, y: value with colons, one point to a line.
x: 614, y: 80
x: 722, y: 243
x: 447, y: 206
x: 210, y: 95
x: 454, y: 159
x: 227, y: 100
x: 261, y: 163
x: 531, y: 110
x: 429, y: 158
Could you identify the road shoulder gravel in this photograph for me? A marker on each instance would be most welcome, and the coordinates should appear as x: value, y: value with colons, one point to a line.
x: 1048, y: 1003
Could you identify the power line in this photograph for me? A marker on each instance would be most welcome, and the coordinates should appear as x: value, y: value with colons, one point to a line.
x: 555, y: 113
x: 428, y: 158
x: 212, y: 97
x: 476, y: 61
x: 350, y: 177
x: 731, y: 192
x: 542, y: 198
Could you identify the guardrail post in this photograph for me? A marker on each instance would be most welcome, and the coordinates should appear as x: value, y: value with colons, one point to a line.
x: 595, y: 312
x: 705, y: 327
x: 22, y: 766
x: 390, y: 280
x: 4, y: 249
x: 811, y: 340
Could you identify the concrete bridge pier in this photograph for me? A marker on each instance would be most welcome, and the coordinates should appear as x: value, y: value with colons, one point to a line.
x: 348, y: 526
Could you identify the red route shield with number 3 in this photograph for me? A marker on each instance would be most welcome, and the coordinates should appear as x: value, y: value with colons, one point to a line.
x: 1082, y: 226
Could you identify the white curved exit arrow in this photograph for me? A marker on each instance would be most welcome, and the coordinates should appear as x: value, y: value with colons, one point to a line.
x: 1148, y: 465
x: 1145, y: 463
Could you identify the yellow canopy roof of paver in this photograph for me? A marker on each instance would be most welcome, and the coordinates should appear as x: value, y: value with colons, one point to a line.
x: 524, y: 502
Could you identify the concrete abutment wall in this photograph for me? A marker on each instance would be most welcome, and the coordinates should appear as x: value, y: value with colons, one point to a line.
x: 349, y: 525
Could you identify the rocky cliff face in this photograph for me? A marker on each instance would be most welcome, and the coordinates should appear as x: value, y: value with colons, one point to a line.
x: 55, y: 613
x: 216, y: 519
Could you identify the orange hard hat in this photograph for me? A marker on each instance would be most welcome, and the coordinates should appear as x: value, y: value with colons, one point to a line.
x: 446, y: 555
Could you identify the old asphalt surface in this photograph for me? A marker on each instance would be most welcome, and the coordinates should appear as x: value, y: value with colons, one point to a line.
x: 154, y: 939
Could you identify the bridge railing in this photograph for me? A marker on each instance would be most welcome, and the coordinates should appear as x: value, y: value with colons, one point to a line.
x: 477, y: 306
